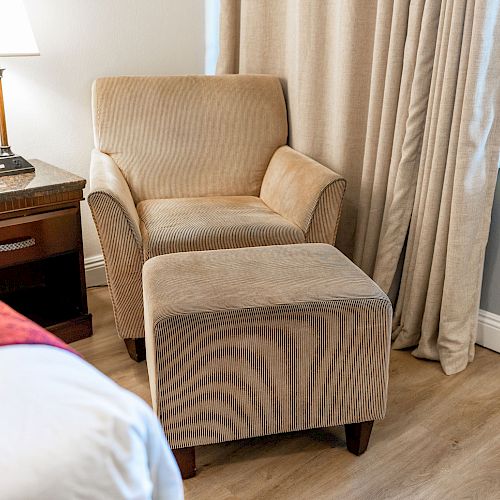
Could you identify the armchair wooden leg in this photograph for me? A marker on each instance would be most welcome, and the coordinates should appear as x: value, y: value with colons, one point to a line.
x: 186, y: 460
x: 136, y: 349
x: 358, y: 436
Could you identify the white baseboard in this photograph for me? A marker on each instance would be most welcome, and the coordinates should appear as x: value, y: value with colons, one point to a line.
x: 488, y: 332
x: 95, y: 274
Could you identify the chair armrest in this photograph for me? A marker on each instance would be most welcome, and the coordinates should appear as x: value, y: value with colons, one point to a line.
x: 106, y: 180
x: 117, y: 223
x: 304, y: 192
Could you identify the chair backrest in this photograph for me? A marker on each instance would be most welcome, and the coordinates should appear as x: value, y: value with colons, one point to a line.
x: 187, y: 136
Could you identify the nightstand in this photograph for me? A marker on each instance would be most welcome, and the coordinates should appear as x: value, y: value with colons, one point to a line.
x: 42, y: 273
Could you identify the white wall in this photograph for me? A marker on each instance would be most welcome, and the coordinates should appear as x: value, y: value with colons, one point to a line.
x: 212, y: 13
x: 47, y: 98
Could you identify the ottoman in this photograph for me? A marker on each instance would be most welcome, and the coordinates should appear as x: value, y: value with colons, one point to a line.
x: 255, y: 341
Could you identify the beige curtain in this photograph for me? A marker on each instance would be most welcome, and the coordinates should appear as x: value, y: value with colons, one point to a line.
x: 402, y: 99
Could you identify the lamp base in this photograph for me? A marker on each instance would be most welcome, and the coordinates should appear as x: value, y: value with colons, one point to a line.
x: 11, y: 165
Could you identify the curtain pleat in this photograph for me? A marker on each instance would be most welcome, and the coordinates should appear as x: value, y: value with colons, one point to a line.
x: 439, y: 297
x: 399, y: 98
x: 229, y: 44
x: 408, y: 139
x: 385, y: 84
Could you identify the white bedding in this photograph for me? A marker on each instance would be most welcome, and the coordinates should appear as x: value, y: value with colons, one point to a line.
x: 69, y: 432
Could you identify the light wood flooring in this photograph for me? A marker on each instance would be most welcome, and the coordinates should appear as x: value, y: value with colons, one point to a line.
x: 440, y: 439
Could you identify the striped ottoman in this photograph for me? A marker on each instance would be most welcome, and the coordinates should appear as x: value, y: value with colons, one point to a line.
x: 255, y: 341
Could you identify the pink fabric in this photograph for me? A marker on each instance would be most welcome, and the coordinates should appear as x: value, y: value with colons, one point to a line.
x: 17, y: 329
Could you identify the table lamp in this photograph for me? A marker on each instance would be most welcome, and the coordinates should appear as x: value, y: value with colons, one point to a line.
x: 16, y: 39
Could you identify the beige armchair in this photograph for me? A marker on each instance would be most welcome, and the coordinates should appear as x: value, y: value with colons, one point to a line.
x: 197, y: 163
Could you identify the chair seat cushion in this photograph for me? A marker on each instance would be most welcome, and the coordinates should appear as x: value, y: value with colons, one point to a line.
x: 212, y: 223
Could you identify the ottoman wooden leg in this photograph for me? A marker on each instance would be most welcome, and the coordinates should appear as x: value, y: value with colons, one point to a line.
x: 186, y: 460
x: 136, y: 349
x: 357, y: 436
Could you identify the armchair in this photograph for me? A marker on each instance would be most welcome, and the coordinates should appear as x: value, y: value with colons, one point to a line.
x: 193, y: 163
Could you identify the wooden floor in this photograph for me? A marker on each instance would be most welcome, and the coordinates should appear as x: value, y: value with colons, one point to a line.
x: 440, y: 439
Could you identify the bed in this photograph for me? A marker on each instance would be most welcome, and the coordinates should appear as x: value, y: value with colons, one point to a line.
x: 69, y: 432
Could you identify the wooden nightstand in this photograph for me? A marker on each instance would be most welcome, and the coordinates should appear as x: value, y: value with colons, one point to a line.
x: 41, y: 255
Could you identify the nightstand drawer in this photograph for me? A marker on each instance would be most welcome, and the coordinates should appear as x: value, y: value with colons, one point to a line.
x: 23, y: 239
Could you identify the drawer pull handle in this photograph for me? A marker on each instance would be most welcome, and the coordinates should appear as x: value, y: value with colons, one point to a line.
x: 17, y: 245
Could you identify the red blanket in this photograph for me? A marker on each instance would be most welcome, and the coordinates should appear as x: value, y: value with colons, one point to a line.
x: 16, y: 329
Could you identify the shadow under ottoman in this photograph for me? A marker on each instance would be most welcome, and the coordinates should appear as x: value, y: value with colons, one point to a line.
x: 255, y: 341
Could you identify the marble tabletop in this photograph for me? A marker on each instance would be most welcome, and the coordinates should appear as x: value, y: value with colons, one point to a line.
x: 46, y: 179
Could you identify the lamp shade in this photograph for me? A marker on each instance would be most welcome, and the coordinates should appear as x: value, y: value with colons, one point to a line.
x: 16, y: 36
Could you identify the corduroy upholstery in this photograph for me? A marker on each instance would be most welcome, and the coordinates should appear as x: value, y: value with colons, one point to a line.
x: 304, y: 192
x: 202, y: 136
x: 304, y: 344
x: 210, y: 223
x: 117, y: 224
x: 198, y: 163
